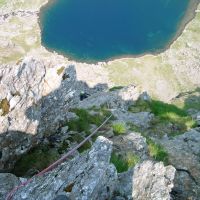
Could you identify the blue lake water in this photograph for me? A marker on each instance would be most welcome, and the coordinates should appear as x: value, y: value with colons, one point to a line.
x: 99, y: 30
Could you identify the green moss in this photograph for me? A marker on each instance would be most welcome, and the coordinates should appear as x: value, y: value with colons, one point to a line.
x: 5, y: 106
x: 83, y: 123
x: 38, y: 158
x: 60, y: 70
x: 157, y: 151
x: 119, y: 128
x: 166, y: 113
x: 123, y: 163
x: 133, y: 127
x: 87, y: 145
x: 64, y: 146
x: 116, y: 88
x: 140, y: 106
x: 173, y: 114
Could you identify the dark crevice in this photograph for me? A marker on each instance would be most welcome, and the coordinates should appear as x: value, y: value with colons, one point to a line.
x: 188, y: 172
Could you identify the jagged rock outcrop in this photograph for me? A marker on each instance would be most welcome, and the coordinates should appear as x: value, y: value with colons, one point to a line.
x: 140, y: 119
x: 21, y: 86
x: 119, y: 99
x: 148, y: 180
x: 131, y: 143
x: 184, y: 154
x: 34, y: 103
x: 7, y: 183
x: 89, y: 176
x: 152, y: 181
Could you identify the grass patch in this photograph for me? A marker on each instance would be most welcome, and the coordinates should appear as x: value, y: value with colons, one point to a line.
x: 165, y: 112
x: 123, y: 163
x: 173, y: 114
x: 116, y: 88
x: 38, y: 159
x: 5, y: 107
x: 85, y: 147
x: 85, y: 119
x: 157, y: 152
x: 60, y: 70
x: 119, y: 128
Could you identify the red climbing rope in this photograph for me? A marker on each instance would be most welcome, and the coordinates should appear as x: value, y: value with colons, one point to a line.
x: 58, y: 162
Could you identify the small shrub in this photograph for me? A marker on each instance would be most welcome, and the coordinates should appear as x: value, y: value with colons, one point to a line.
x: 38, y: 158
x: 140, y: 106
x: 119, y: 128
x: 82, y: 123
x: 86, y: 119
x: 123, y: 163
x: 85, y: 147
x: 157, y: 152
x: 5, y: 106
x: 115, y: 88
x: 60, y: 70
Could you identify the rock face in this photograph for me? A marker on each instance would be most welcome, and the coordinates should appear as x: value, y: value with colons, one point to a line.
x: 152, y: 181
x: 184, y: 154
x: 89, y: 176
x: 131, y: 143
x: 28, y: 114
x: 7, y: 183
x: 22, y: 87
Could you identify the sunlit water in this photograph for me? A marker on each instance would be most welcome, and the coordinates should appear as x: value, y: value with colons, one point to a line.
x: 98, y: 30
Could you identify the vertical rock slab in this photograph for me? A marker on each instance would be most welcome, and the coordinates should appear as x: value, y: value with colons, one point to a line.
x: 152, y: 181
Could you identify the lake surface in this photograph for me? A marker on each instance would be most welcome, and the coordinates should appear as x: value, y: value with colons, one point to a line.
x: 99, y: 30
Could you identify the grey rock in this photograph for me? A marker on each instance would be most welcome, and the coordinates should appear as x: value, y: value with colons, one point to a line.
x: 152, y: 181
x: 145, y: 97
x: 115, y: 100
x: 141, y: 119
x: 184, y: 154
x: 133, y: 143
x: 88, y: 176
x: 185, y: 187
x: 7, y: 183
x: 125, y: 184
x: 64, y: 129
x: 61, y: 197
x: 118, y: 198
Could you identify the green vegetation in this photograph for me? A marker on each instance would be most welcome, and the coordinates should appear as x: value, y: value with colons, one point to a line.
x: 37, y: 159
x: 4, y: 106
x: 173, y: 114
x: 78, y: 138
x: 87, y: 145
x: 119, y: 128
x: 123, y: 163
x: 166, y: 113
x: 157, y: 151
x: 116, y: 88
x: 60, y: 70
x: 85, y: 119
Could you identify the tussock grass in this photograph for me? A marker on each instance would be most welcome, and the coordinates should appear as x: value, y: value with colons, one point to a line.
x: 119, y: 128
x: 165, y: 112
x: 123, y: 163
x: 157, y: 152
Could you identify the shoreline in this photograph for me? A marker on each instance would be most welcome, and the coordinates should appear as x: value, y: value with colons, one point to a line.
x: 187, y: 18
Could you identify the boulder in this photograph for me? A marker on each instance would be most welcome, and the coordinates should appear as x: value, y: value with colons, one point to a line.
x: 88, y: 176
x: 184, y: 154
x: 7, y: 183
x: 152, y: 181
x: 140, y: 119
x: 131, y: 143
